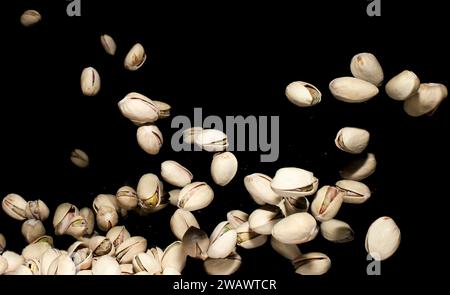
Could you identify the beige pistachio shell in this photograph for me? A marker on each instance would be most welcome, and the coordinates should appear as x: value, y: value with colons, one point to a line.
x: 32, y: 229
x: 108, y: 44
x: 13, y: 260
x: 79, y: 158
x: 117, y: 235
x: 2, y: 243
x: 82, y: 258
x: 248, y: 239
x: 127, y: 198
x: 126, y: 269
x: 313, y: 263
x: 360, y: 168
x: 337, y: 231
x: 156, y: 252
x: 383, y: 238
x: 85, y: 272
x: 403, y: 86
x: 107, y: 218
x: 129, y: 248
x: 195, y: 196
x: 294, y: 182
x: 181, y: 221
x: 62, y: 265
x: 173, y: 196
x: 327, y: 203
x: 14, y: 206
x: 150, y: 190
x: 63, y: 215
x: 175, y: 174
x: 174, y: 257
x: 258, y: 186
x: 101, y: 246
x: 292, y: 205
x: 223, y: 266
x: 22, y: 270
x: 223, y: 168
x: 105, y: 200
x: 352, y: 140
x: 135, y: 57
x: 106, y: 265
x: 169, y: 271
x: 352, y: 90
x: 138, y: 108
x: 427, y: 99
x: 262, y: 220
x: 34, y: 266
x: 303, y: 94
x: 37, y: 210
x: 164, y: 109
x: 190, y: 133
x: 146, y: 262
x: 150, y: 139
x: 90, y: 81
x: 236, y: 218
x: 47, y: 258
x: 365, y: 66
x: 35, y: 250
x: 222, y: 241
x: 211, y: 140
x: 288, y: 251
x: 77, y: 227
x: 196, y: 243
x: 30, y: 17
x: 3, y: 265
x: 89, y: 217
x: 354, y: 192
x: 297, y: 228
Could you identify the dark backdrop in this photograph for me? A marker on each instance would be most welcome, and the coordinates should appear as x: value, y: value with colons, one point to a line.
x: 229, y: 59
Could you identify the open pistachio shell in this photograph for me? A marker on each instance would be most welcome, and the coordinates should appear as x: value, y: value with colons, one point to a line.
x: 258, y: 186
x: 129, y: 248
x: 90, y: 81
x: 150, y: 139
x: 181, y: 221
x: 314, y: 263
x: 146, y: 262
x: 403, y: 86
x: 352, y: 90
x: 222, y: 241
x: 195, y: 196
x: 294, y: 182
x: 35, y: 250
x: 196, y: 243
x: 292, y: 205
x: 150, y: 190
x: 175, y: 174
x: 13, y: 261
x: 106, y: 265
x: 223, y: 266
x: 247, y: 238
x: 426, y: 100
x: 360, y: 168
x: 190, y: 133
x: 63, y: 215
x: 47, y: 258
x: 62, y: 265
x: 211, y: 140
x: 297, y: 228
x: 135, y: 57
x: 365, y: 66
x: 173, y: 197
x: 303, y: 94
x: 126, y: 269
x: 223, y: 168
x: 117, y: 235
x: 174, y: 257
x: 354, y: 192
x: 352, y: 140
x: 327, y: 203
x: 263, y: 219
x: 89, y: 217
x: 14, y: 206
x: 127, y: 198
x: 101, y: 246
x: 236, y: 218
x: 337, y: 231
x: 107, y: 218
x: 138, y: 108
x: 288, y: 251
x: 164, y: 109
x: 383, y: 238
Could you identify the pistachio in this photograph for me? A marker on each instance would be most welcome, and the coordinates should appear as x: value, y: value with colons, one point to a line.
x: 181, y: 221
x: 360, y: 168
x: 138, y: 108
x: 82, y: 257
x: 89, y: 217
x: 291, y: 205
x: 427, y: 99
x: 337, y: 231
x: 126, y: 269
x: 383, y: 238
x: 108, y: 44
x: 77, y: 227
x: 23, y: 270
x: 352, y: 140
x: 173, y: 197
x: 37, y: 210
x: 101, y: 246
x: 174, y: 257
x: 258, y: 186
x: 223, y: 266
x: 222, y: 241
x: 168, y: 271
x: 14, y: 206
x: 86, y: 272
x: 106, y: 265
x: 150, y: 191
x: 13, y: 261
x: 79, y: 158
x: 164, y: 109
x: 327, y: 203
x: 129, y: 248
x: 236, y: 218
x: 297, y: 228
x: 105, y: 200
x: 117, y: 235
x: 146, y: 262
x: 223, y: 168
x: 313, y: 263
x: 195, y: 196
x: 36, y: 249
x: 150, y: 139
x: 403, y: 86
x: 247, y: 238
x: 288, y: 251
x: 303, y: 94
x: 90, y: 81
x: 196, y: 243
x: 135, y: 58
x: 352, y: 90
x: 190, y: 133
x: 294, y: 182
x: 3, y: 265
x: 175, y: 174
x: 365, y: 66
x: 32, y: 229
x: 47, y: 258
x: 30, y: 17
x: 263, y: 219
x: 107, y: 218
x: 211, y: 140
x: 2, y: 243
x: 354, y: 192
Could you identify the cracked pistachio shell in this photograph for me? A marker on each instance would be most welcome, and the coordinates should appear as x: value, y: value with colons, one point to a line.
x: 37, y: 210
x: 223, y: 168
x: 258, y: 186
x: 106, y: 265
x: 14, y: 206
x: 288, y: 251
x: 313, y: 263
x: 360, y: 168
x: 294, y: 182
x: 105, y: 200
x: 352, y: 140
x: 82, y: 258
x: 32, y: 229
x: 196, y: 243
x: 89, y: 217
x: 303, y: 94
x: 135, y: 58
x: 427, y: 99
x: 129, y: 248
x: 190, y: 133
x: 403, y: 86
x: 175, y: 174
x: 117, y: 235
x: 150, y: 139
x: 101, y: 246
x: 156, y: 252
x: 365, y: 66
x: 108, y: 44
x: 195, y: 196
x: 263, y: 219
x: 236, y: 218
x: 223, y: 266
x: 327, y: 203
x: 150, y: 190
x: 164, y: 109
x: 30, y: 17
x: 107, y: 218
x: 63, y: 215
x: 352, y: 90
x: 127, y: 198
x: 248, y: 239
x: 211, y: 140
x: 47, y: 258
x: 181, y: 221
x: 77, y: 227
x: 79, y: 158
x: 34, y: 266
x: 90, y: 81
x: 138, y: 108
x: 174, y: 257
x: 13, y: 260
x: 3, y: 265
x: 297, y: 228
x: 126, y: 269
x: 146, y: 262
x: 36, y: 249
x: 337, y: 231
x: 354, y: 192
x: 222, y: 241
x: 2, y: 243
x: 291, y: 205
x: 173, y: 197
x: 383, y: 238
x: 62, y: 265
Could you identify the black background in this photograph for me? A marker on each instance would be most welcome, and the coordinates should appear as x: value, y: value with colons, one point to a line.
x: 229, y: 59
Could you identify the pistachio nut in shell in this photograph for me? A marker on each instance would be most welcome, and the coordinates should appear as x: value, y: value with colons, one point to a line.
x: 247, y: 238
x: 13, y: 259
x: 427, y: 99
x: 313, y: 263
x: 196, y: 243
x: 150, y: 190
x: 135, y: 57
x: 107, y: 218
x: 190, y: 133
x: 181, y: 221
x: 222, y: 241
x: 82, y: 258
x: 108, y: 44
x: 236, y: 218
x: 3, y: 265
x: 89, y: 217
x: 30, y: 17
x: 164, y: 109
x: 292, y: 205
x: 105, y: 200
x: 101, y: 246
x: 150, y: 139
x: 337, y: 231
x: 195, y: 196
x: 14, y: 206
x: 77, y: 227
x: 106, y: 265
x: 90, y: 81
x: 173, y: 196
x: 47, y: 258
x: 223, y: 266
x: 297, y: 228
x: 129, y: 248
x: 138, y: 108
x: 2, y: 243
x: 37, y: 210
x: 211, y: 140
x: 35, y: 250
x: 403, y: 86
x: 174, y: 173
x: 79, y: 158
x: 263, y: 219
x: 352, y: 140
x: 34, y: 266
x: 126, y: 269
x: 352, y: 90
x: 303, y: 94
x: 22, y: 270
x: 355, y: 192
x: 62, y: 265
x: 383, y: 238
x: 258, y: 186
x: 365, y: 66
x: 146, y: 262
x: 360, y: 168
x: 127, y: 198
x: 223, y: 168
x: 327, y: 203
x: 32, y: 229
x: 117, y: 235
x: 288, y: 251
x: 174, y: 257
x: 294, y: 182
